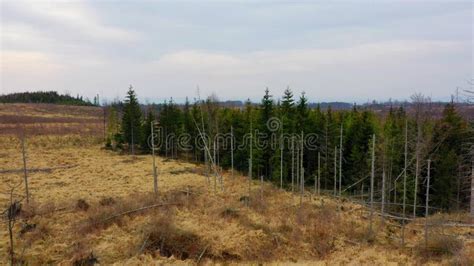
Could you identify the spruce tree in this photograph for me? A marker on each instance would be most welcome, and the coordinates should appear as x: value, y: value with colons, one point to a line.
x: 287, y: 114
x: 449, y: 132
x: 263, y: 157
x: 131, y: 119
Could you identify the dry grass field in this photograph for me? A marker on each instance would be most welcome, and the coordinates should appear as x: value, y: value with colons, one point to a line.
x: 51, y: 119
x: 88, y: 206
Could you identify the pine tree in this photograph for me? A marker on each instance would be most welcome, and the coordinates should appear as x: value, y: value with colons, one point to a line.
x: 356, y: 151
x: 188, y: 124
x: 302, y: 113
x: 302, y: 125
x: 287, y: 111
x: 449, y: 131
x: 131, y: 119
x: 263, y: 156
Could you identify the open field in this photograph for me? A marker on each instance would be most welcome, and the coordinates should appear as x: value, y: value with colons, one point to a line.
x: 51, y: 119
x: 276, y: 229
x: 88, y: 200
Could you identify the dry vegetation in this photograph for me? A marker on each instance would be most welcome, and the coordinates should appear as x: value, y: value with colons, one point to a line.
x: 94, y: 205
x: 51, y: 119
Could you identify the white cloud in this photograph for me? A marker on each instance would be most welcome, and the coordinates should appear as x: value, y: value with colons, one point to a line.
x: 301, y: 60
x: 75, y: 17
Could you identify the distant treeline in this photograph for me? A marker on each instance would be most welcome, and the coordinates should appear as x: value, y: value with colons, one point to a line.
x: 46, y: 97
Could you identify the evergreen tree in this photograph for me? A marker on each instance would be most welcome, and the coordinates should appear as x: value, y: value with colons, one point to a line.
x: 188, y: 124
x: 131, y: 119
x: 287, y: 111
x: 302, y: 113
x: 356, y: 151
x: 263, y: 156
x: 449, y: 132
x: 287, y: 115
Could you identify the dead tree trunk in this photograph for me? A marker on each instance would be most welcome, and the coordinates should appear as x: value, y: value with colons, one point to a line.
x: 472, y: 192
x: 250, y: 161
x: 335, y: 170
x: 292, y: 164
x: 383, y: 192
x: 11, y: 214
x: 297, y: 164
x: 133, y: 140
x: 427, y: 203
x: 417, y: 166
x: 214, y: 159
x: 416, y: 185
x: 302, y: 168
x: 340, y: 163
x: 206, y: 165
x: 232, y: 150
x: 25, y: 171
x: 318, y: 184
x: 281, y: 158
x: 104, y: 124
x: 207, y: 151
x: 372, y: 177
x: 326, y: 154
x: 155, y: 175
x: 405, y: 183
x: 10, y: 230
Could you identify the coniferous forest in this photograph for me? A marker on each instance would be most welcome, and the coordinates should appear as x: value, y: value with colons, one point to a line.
x: 337, y: 144
x: 47, y: 97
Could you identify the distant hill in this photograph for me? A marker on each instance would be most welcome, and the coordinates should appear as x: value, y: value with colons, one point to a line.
x: 44, y: 97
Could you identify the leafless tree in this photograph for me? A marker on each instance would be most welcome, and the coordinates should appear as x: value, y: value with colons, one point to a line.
x: 405, y: 182
x: 335, y: 170
x: 302, y: 168
x: 155, y: 174
x: 421, y: 105
x: 232, y: 150
x: 292, y: 164
x: 340, y: 162
x: 25, y: 170
x: 427, y: 202
x: 11, y: 214
x: 372, y: 177
x: 281, y: 156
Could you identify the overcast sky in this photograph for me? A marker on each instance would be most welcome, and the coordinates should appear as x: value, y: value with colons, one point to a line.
x: 347, y: 51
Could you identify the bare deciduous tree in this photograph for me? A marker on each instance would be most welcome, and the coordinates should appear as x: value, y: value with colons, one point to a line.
x: 372, y: 177
x: 340, y: 162
x: 25, y: 170
x: 11, y: 214
x: 155, y: 174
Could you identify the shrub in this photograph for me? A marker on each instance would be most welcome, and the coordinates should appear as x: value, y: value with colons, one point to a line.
x: 167, y: 239
x: 439, y: 245
x: 82, y: 205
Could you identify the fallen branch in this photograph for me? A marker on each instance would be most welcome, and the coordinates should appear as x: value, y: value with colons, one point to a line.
x: 144, y: 244
x: 136, y: 210
x: 33, y: 170
x: 202, y: 254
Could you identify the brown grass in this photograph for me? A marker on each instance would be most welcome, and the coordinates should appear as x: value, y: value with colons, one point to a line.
x: 465, y: 257
x: 439, y: 245
x: 50, y: 119
x: 163, y: 238
x: 273, y: 230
